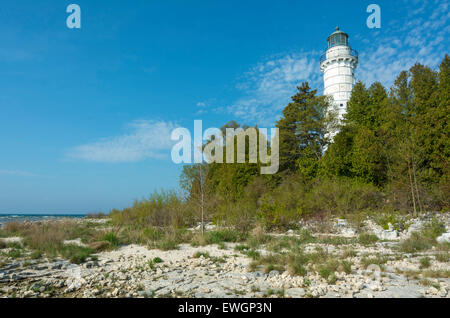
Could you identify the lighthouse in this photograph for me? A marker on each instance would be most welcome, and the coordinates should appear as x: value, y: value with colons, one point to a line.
x: 338, y: 65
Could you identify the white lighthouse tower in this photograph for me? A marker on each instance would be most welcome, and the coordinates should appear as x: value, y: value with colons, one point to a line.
x: 338, y: 65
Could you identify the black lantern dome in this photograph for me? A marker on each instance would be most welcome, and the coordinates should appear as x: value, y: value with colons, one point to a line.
x: 337, y: 38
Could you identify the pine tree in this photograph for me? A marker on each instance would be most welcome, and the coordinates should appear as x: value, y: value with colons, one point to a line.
x: 302, y: 131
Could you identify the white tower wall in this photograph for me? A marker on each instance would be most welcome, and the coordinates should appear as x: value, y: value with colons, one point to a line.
x: 338, y: 65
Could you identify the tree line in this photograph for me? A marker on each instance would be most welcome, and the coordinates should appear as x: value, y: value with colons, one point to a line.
x: 389, y: 155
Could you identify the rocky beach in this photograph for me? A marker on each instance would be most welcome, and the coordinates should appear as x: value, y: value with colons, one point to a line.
x: 365, y: 266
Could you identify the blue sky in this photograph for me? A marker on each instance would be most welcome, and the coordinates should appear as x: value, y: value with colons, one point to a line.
x: 86, y: 115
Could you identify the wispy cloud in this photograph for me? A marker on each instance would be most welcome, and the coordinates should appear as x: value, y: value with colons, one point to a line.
x: 422, y: 38
x: 17, y: 173
x: 268, y: 86
x: 147, y: 139
x: 418, y: 37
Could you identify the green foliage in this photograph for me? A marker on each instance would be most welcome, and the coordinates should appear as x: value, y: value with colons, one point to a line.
x: 281, y: 207
x: 443, y: 257
x: 340, y: 196
x: 416, y: 243
x: 76, y: 254
x: 390, y: 156
x: 111, y: 238
x: 201, y: 254
x: 302, y: 132
x: 224, y: 235
x: 157, y: 260
x: 161, y: 209
x: 425, y: 239
x: 433, y: 229
x: 367, y: 239
x: 425, y: 262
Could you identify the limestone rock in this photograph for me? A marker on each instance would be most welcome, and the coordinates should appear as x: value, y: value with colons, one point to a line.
x: 444, y: 238
x: 295, y: 292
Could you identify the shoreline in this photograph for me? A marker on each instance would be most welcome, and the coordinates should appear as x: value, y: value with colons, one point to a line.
x: 231, y: 269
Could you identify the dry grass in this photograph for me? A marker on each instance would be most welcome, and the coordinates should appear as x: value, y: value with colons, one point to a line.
x: 48, y: 237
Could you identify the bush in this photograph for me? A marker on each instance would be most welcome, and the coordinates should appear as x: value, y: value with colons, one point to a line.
x: 373, y: 260
x: 425, y: 262
x: 433, y: 229
x: 15, y: 253
x: 35, y: 255
x: 240, y: 215
x: 224, y: 235
x: 162, y: 209
x: 281, y: 208
x: 76, y: 254
x: 415, y: 243
x: 202, y: 254
x: 157, y: 260
x: 341, y: 196
x: 367, y: 239
x: 443, y: 257
x: 425, y: 239
x: 112, y: 239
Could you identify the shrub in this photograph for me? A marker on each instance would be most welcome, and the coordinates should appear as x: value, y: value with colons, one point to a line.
x: 162, y: 209
x: 240, y: 215
x: 35, y: 255
x: 224, y: 235
x: 367, y: 239
x: 433, y: 229
x: 241, y: 248
x: 201, y: 253
x: 373, y: 260
x: 281, y: 208
x: 14, y: 253
x: 167, y: 244
x: 252, y: 254
x: 112, y: 239
x: 341, y: 196
x: 199, y: 239
x: 157, y: 260
x: 416, y: 243
x: 425, y: 262
x: 76, y: 254
x: 442, y: 257
x: 349, y: 253
x: 346, y: 267
x: 296, y: 264
x: 425, y: 239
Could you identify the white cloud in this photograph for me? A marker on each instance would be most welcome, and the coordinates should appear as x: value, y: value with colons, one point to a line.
x: 147, y: 139
x: 17, y: 173
x: 421, y: 39
x: 268, y: 86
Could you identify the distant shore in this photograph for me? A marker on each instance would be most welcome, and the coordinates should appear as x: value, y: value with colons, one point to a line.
x: 10, y: 217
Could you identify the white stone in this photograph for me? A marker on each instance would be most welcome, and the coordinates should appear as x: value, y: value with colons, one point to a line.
x: 444, y: 238
x: 295, y: 292
x: 388, y: 235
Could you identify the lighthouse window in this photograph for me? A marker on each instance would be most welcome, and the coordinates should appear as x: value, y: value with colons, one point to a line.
x: 342, y: 105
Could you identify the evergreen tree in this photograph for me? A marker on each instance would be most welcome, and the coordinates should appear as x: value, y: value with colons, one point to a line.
x: 302, y: 131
